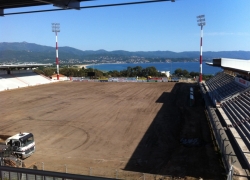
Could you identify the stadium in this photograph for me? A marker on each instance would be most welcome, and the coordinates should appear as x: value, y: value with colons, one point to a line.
x: 228, y: 92
x: 125, y: 128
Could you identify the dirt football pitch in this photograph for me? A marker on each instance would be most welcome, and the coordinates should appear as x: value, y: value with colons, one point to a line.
x: 94, y: 127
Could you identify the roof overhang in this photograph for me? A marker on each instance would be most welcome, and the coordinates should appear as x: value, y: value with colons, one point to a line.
x: 232, y: 64
x: 9, y: 4
x: 210, y: 64
x: 62, y: 4
x: 14, y: 66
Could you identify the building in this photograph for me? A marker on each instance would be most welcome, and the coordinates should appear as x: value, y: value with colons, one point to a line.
x: 167, y: 73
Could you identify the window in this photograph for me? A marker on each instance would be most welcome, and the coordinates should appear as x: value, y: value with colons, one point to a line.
x: 27, y: 141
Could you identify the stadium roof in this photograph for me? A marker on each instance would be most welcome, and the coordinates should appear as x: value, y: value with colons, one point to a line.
x: 62, y: 4
x: 13, y: 66
x: 233, y: 64
x: 6, y: 4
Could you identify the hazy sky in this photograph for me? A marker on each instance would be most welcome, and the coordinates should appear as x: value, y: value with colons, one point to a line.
x: 148, y: 27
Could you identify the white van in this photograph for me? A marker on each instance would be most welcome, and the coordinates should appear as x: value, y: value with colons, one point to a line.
x: 22, y: 144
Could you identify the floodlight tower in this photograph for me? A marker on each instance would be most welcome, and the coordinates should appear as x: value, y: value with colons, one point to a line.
x: 201, y: 23
x: 56, y: 29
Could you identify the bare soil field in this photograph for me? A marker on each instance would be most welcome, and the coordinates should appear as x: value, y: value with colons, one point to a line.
x: 140, y: 127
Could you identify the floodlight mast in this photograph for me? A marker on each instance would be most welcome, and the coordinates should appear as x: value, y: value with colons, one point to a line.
x: 201, y: 22
x: 56, y: 29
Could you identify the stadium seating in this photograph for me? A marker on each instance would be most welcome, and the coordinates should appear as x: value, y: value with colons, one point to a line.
x: 21, y: 79
x: 241, y: 126
x: 31, y: 78
x: 234, y: 104
x: 10, y: 82
x: 223, y: 86
x: 237, y: 111
x: 230, y: 93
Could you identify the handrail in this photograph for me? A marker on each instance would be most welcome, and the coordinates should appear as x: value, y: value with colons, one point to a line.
x: 49, y: 173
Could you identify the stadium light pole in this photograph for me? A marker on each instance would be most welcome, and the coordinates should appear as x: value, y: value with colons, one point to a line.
x: 171, y: 68
x: 201, y: 23
x: 56, y: 29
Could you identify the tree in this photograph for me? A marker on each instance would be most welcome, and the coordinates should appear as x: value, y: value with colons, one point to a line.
x: 129, y: 71
x: 124, y: 73
x: 185, y: 73
x: 178, y: 72
x: 69, y: 72
x: 151, y: 71
x: 114, y: 73
x: 138, y: 71
x: 49, y: 71
x: 194, y: 74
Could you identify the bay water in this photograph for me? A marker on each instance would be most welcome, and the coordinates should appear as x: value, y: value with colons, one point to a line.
x: 189, y: 66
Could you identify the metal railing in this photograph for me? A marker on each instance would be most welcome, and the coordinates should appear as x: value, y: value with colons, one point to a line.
x: 98, y: 171
x: 229, y: 158
x: 42, y: 171
x: 9, y: 173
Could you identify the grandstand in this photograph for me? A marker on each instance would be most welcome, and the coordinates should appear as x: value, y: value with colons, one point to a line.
x: 229, y: 94
x: 20, y: 75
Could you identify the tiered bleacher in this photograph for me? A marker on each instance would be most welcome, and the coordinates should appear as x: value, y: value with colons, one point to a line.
x: 237, y: 110
x: 232, y: 99
x: 10, y: 82
x: 31, y: 78
x: 222, y: 86
x: 19, y: 79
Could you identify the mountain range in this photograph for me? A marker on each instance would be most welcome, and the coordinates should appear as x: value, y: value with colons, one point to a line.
x: 31, y: 52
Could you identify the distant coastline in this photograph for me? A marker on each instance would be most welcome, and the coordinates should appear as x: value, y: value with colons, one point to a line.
x: 89, y: 65
x: 160, y: 66
x: 97, y: 64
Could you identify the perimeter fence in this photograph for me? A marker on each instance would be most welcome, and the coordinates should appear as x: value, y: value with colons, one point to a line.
x: 131, y: 79
x: 99, y: 172
x: 42, y: 172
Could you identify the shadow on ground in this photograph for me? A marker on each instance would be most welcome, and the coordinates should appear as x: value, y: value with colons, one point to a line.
x: 161, y: 152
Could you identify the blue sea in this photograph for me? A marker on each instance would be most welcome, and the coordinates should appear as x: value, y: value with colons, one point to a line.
x: 189, y: 66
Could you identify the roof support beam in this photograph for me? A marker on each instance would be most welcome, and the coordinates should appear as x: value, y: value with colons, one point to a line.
x: 72, y: 4
x: 43, y: 1
x: 1, y: 12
